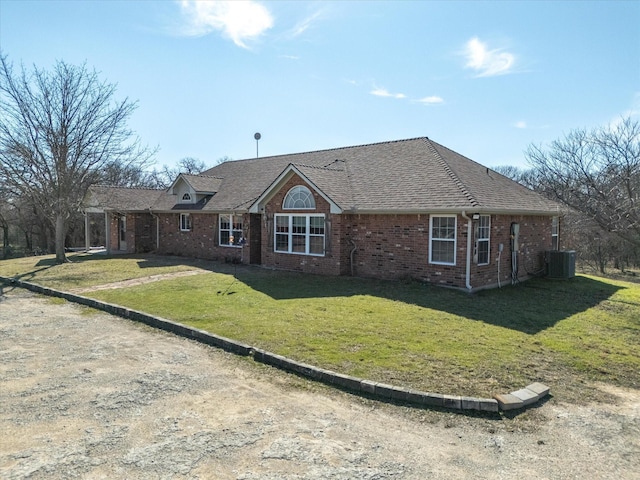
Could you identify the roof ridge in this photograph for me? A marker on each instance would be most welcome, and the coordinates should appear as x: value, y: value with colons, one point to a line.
x: 318, y: 167
x: 201, y: 175
x: 456, y: 180
x: 323, y: 150
x: 128, y: 188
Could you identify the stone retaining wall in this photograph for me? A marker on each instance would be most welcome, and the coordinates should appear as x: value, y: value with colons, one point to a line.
x: 510, y: 401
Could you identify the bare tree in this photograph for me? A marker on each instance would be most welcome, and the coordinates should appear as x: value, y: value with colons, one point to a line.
x: 164, y: 177
x: 191, y: 166
x: 526, y: 177
x: 596, y: 173
x: 58, y: 131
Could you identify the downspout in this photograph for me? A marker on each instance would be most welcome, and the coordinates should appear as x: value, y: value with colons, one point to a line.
x: 157, y: 229
x: 469, y: 240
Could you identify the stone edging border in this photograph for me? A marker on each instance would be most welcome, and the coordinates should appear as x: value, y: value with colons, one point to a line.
x: 509, y: 401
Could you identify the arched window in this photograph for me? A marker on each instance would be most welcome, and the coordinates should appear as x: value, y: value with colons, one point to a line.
x: 299, y: 198
x: 186, y: 197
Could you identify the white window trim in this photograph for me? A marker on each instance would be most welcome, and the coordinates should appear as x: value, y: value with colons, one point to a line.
x: 555, y: 233
x: 290, y: 192
x: 186, y: 219
x: 454, y: 240
x: 186, y: 197
x: 230, y: 230
x: 307, y: 234
x: 487, y: 240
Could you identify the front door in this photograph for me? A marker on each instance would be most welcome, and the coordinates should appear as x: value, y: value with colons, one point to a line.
x: 122, y: 233
x: 255, y: 239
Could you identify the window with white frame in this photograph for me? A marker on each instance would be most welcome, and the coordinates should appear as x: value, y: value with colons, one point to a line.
x: 442, y: 239
x: 231, y: 230
x: 185, y: 222
x: 186, y: 197
x: 301, y: 234
x: 483, y: 232
x: 299, y: 198
x: 555, y: 230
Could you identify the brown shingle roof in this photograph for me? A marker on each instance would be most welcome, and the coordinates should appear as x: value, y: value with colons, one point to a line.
x: 121, y: 199
x: 203, y: 183
x: 415, y: 175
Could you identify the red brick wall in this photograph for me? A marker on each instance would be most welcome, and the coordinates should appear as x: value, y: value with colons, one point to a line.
x: 534, y: 240
x: 386, y: 246
x: 144, y: 232
x: 202, y: 241
x: 139, y: 235
x: 113, y: 233
x: 397, y: 246
x: 329, y: 264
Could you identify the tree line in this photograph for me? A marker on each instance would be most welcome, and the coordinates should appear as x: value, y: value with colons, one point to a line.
x: 595, y: 174
x: 60, y: 132
x: 63, y: 130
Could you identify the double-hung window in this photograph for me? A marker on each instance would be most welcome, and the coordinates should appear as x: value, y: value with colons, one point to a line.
x: 231, y: 230
x: 185, y: 222
x: 555, y: 230
x: 301, y: 234
x: 442, y: 239
x: 482, y: 239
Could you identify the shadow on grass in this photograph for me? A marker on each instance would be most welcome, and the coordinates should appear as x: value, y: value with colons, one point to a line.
x: 529, y: 307
x: 42, y: 265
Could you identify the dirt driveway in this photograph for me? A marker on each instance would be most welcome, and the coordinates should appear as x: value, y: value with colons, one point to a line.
x: 87, y: 395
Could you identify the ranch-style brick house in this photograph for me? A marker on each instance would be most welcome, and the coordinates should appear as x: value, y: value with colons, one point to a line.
x: 401, y: 209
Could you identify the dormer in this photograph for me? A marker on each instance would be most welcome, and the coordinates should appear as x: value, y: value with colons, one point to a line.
x: 191, y: 189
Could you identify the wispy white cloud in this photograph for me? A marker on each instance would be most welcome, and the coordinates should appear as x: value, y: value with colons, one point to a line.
x: 383, y: 92
x: 239, y: 20
x: 634, y: 111
x: 631, y: 112
x: 486, y: 62
x: 520, y: 124
x: 305, y: 24
x: 432, y: 100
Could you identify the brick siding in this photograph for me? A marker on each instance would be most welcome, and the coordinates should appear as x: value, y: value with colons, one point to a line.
x: 392, y: 246
x: 329, y: 264
x: 202, y: 241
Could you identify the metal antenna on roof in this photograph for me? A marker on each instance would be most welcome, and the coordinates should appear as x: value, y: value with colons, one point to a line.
x: 257, y: 136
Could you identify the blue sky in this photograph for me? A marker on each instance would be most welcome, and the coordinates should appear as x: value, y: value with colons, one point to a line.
x: 485, y: 79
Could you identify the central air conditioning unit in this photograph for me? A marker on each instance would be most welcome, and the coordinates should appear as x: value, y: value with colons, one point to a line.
x: 561, y: 263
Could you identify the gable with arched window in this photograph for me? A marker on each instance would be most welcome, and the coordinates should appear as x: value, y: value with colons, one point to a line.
x: 296, y: 233
x: 299, y: 198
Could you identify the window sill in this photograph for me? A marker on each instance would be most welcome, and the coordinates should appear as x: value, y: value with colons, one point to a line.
x: 301, y: 253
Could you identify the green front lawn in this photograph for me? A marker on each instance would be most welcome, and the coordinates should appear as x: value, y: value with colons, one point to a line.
x: 563, y: 333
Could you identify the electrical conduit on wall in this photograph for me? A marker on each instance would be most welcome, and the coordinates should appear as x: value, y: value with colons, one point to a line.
x: 469, y: 240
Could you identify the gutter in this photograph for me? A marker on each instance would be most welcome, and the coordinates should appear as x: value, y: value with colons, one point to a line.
x: 448, y: 211
x: 468, y: 263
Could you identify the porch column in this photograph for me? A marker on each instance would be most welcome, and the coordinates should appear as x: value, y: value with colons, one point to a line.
x: 87, y: 240
x: 107, y: 233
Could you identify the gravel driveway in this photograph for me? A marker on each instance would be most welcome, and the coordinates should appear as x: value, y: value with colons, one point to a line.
x: 87, y: 395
